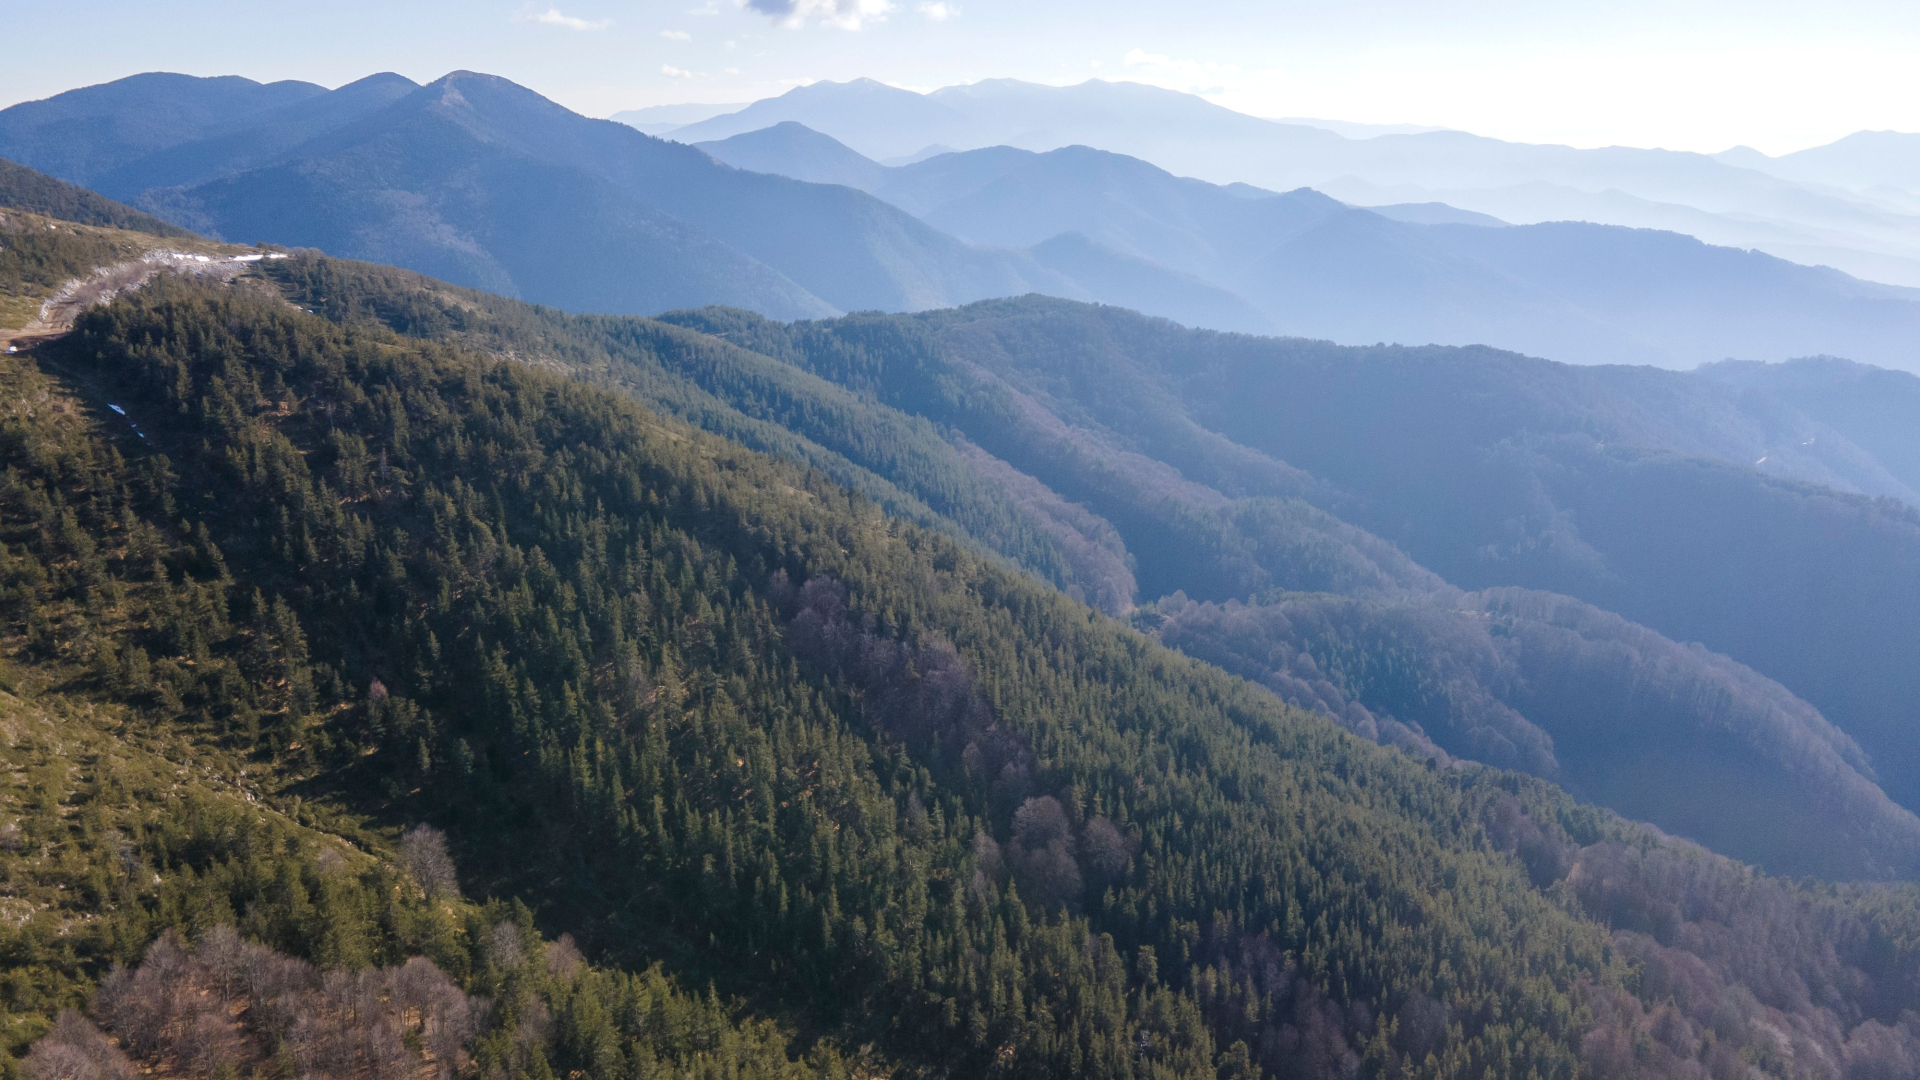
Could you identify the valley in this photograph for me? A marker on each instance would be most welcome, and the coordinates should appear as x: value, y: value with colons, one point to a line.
x: 488, y: 593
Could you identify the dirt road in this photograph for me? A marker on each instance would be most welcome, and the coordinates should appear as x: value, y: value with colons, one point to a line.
x: 58, y: 311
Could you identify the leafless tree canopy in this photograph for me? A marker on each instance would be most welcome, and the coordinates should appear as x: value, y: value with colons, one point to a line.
x: 424, y: 851
x: 75, y: 1050
x: 231, y: 1004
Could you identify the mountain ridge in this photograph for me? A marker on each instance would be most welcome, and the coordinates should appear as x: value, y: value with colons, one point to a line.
x: 1578, y: 292
x: 1730, y: 203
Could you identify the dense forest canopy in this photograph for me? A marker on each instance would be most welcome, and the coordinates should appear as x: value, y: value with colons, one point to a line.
x: 809, y: 788
x: 1233, y: 467
x: 1126, y: 500
x: 25, y: 189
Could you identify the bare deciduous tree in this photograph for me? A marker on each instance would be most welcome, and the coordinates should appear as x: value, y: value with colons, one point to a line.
x: 76, y: 1050
x: 424, y: 851
x: 217, y: 1009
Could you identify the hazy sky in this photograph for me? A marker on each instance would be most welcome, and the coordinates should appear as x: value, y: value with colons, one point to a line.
x: 1698, y: 76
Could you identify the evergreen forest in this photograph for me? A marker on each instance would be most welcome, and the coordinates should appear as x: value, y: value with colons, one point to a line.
x: 395, y: 685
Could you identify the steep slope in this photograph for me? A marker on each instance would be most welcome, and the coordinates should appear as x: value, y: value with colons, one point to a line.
x: 1137, y: 528
x: 1612, y: 711
x: 1494, y: 469
x: 144, y: 816
x: 902, y: 463
x: 1142, y: 529
x: 1078, y: 399
x: 804, y: 777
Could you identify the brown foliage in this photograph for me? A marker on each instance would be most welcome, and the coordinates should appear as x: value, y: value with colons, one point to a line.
x: 231, y: 1003
x: 75, y: 1050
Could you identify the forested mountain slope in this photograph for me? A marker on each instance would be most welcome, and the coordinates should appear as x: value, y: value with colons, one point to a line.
x: 35, y: 192
x: 1870, y: 408
x: 1808, y: 585
x: 699, y: 707
x: 1072, y: 396
x: 1493, y: 469
x: 1115, y: 526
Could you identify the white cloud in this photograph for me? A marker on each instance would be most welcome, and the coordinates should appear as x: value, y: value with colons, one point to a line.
x: 729, y: 71
x: 672, y: 72
x: 1193, y: 76
x: 676, y: 35
x: 938, y: 10
x: 845, y: 14
x: 553, y: 17
x: 709, y: 7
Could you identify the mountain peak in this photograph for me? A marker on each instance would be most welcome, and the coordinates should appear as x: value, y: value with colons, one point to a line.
x: 793, y: 149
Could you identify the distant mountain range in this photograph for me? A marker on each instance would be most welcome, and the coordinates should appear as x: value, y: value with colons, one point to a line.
x: 481, y: 182
x: 661, y: 119
x: 1880, y: 163
x: 1831, y: 206
x: 1315, y: 267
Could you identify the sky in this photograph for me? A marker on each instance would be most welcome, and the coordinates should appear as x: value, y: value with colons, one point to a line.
x: 1683, y: 75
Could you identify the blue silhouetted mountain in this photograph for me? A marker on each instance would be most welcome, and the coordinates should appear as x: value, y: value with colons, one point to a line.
x: 1862, y: 161
x: 83, y: 134
x: 257, y: 138
x: 1315, y: 267
x: 878, y: 120
x: 1434, y: 213
x: 1738, y: 200
x: 1131, y: 282
x: 791, y: 149
x: 483, y: 182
